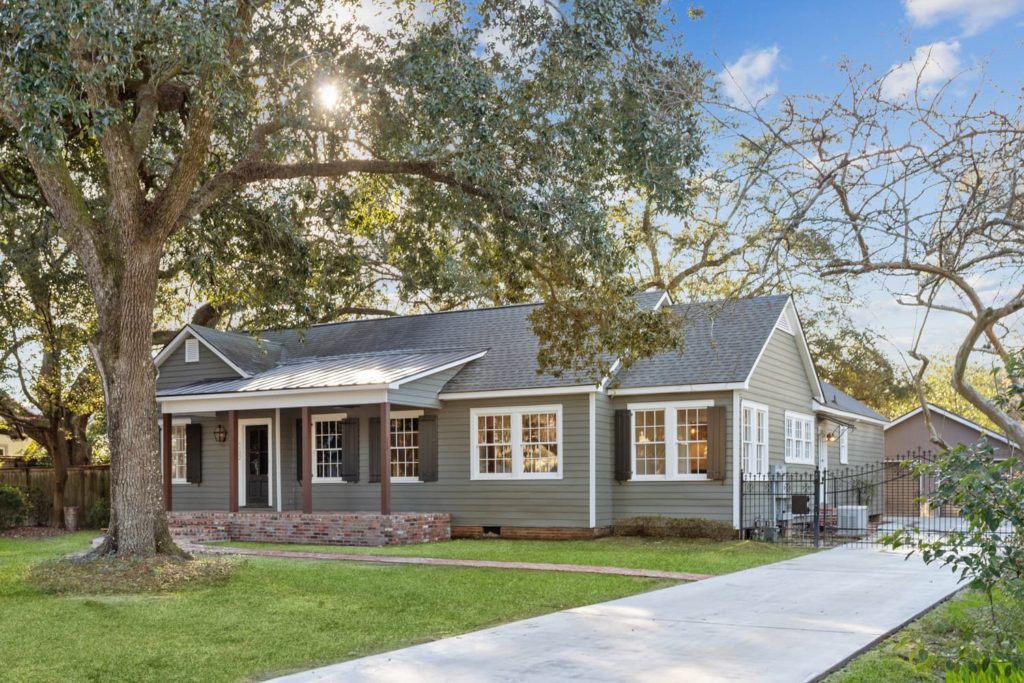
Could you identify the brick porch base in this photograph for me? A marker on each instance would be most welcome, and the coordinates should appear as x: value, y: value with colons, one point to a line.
x: 320, y: 528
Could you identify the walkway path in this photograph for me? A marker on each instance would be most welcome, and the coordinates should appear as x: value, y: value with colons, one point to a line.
x: 488, y: 564
x: 790, y: 621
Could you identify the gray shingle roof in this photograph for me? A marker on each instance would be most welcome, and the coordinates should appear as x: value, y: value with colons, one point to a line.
x: 840, y: 400
x: 722, y: 342
x: 350, y: 370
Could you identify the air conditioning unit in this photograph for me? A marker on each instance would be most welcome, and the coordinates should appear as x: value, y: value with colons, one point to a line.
x: 852, y: 520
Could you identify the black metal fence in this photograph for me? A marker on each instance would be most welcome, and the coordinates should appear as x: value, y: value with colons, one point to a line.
x: 842, y: 505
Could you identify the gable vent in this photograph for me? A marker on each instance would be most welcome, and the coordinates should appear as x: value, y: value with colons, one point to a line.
x: 191, y: 350
x: 783, y: 323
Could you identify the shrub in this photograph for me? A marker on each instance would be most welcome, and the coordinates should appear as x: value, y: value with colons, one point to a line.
x: 98, y: 516
x: 38, y: 507
x: 670, y: 527
x: 13, y: 506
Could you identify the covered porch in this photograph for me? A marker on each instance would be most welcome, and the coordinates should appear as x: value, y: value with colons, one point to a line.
x: 308, y: 452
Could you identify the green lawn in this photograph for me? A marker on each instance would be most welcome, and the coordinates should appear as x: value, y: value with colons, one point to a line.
x: 677, y: 555
x: 273, y: 616
x: 949, y: 635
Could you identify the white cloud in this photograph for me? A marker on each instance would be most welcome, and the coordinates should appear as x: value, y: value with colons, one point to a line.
x: 749, y: 80
x: 930, y: 66
x: 973, y: 15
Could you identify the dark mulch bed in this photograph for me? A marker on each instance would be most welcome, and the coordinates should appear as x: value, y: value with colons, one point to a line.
x: 31, y: 532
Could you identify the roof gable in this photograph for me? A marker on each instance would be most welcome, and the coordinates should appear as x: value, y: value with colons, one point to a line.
x: 950, y: 416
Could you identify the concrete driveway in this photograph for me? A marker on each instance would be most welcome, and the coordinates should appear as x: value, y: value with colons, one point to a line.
x: 789, y: 621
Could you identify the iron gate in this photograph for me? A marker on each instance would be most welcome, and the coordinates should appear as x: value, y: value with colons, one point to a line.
x: 842, y: 505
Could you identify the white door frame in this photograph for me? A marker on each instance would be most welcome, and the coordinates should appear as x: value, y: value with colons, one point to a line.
x: 272, y: 453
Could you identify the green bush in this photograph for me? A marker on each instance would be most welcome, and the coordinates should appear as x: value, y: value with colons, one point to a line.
x: 98, y: 516
x: 13, y: 506
x: 38, y: 507
x: 669, y: 527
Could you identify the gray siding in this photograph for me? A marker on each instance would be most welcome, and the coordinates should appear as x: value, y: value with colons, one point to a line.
x: 781, y: 382
x: 605, y: 459
x: 175, y: 372
x: 423, y: 392
x: 212, y: 493
x: 707, y: 499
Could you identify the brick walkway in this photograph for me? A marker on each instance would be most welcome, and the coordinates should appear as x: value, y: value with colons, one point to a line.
x: 443, y: 562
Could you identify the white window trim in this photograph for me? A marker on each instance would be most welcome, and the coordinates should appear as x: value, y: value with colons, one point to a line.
x: 671, y: 443
x: 756, y: 407
x: 812, y: 438
x: 844, y: 446
x: 401, y: 415
x: 179, y: 480
x: 243, y: 480
x: 324, y: 417
x: 192, y: 350
x: 517, y: 442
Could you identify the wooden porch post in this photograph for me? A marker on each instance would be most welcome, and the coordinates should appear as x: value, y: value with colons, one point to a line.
x: 233, y: 461
x: 166, y: 439
x: 307, y: 461
x: 385, y: 458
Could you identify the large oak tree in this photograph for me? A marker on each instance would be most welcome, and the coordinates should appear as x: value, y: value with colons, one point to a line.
x: 487, y: 137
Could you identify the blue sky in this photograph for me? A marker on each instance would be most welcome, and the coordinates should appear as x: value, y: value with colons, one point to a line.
x: 793, y: 47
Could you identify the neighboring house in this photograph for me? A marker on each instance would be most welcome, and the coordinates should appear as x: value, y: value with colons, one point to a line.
x: 909, y: 434
x: 12, y: 450
x: 291, y: 420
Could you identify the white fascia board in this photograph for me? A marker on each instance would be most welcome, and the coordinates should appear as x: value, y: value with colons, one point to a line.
x: 804, y: 348
x: 952, y: 416
x: 828, y: 410
x: 433, y: 371
x: 272, y: 399
x: 517, y: 393
x: 188, y: 333
x: 665, y: 300
x: 592, y: 452
x: 679, y: 389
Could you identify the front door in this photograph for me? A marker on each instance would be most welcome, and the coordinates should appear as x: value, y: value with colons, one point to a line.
x: 257, y: 461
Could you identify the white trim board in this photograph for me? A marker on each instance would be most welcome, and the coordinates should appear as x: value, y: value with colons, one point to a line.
x: 678, y: 389
x: 593, y: 459
x: 433, y: 371
x: 188, y: 333
x: 262, y: 401
x: 952, y: 416
x: 243, y: 470
x: 857, y: 417
x: 516, y: 429
x: 805, y: 351
x: 517, y: 393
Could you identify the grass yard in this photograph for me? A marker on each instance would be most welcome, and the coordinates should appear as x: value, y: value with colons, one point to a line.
x: 272, y: 616
x: 952, y: 634
x: 665, y: 554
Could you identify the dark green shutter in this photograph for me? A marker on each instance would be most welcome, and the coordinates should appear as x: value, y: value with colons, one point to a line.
x: 298, y: 449
x: 623, y: 443
x: 428, y: 447
x: 194, y: 453
x: 716, y: 443
x: 350, y: 449
x: 374, y: 449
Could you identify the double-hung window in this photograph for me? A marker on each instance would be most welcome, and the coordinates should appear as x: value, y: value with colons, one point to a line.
x: 405, y: 447
x: 179, y: 454
x: 517, y: 443
x: 799, y: 438
x: 328, y: 440
x: 670, y: 440
x: 754, y: 439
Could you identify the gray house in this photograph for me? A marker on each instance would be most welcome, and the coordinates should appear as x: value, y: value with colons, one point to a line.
x: 296, y: 425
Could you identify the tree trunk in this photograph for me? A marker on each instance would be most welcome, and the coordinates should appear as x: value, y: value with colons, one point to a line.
x: 138, y: 522
x: 59, y: 457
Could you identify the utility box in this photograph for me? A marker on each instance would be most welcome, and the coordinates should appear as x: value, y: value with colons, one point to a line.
x: 852, y: 520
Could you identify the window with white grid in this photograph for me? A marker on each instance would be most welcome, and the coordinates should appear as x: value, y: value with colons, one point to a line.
x: 649, y: 442
x: 754, y: 439
x: 517, y: 443
x: 405, y: 448
x: 799, y: 439
x: 692, y: 441
x: 328, y: 438
x: 540, y: 442
x: 494, y: 444
x: 179, y: 454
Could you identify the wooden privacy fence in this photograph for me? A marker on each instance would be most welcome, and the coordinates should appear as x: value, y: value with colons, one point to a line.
x: 84, y: 486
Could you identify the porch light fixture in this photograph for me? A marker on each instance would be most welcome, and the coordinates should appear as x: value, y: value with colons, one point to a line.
x: 831, y: 437
x: 220, y: 434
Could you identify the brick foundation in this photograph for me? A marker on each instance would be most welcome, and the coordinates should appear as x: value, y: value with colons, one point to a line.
x: 555, y: 533
x: 319, y: 528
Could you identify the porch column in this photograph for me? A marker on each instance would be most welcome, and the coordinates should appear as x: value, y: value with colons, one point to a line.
x: 165, y: 438
x: 385, y: 458
x: 307, y: 461
x: 233, y: 461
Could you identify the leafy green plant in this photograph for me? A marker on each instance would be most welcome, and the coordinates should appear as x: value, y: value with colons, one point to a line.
x: 98, y: 516
x: 13, y: 506
x: 670, y: 527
